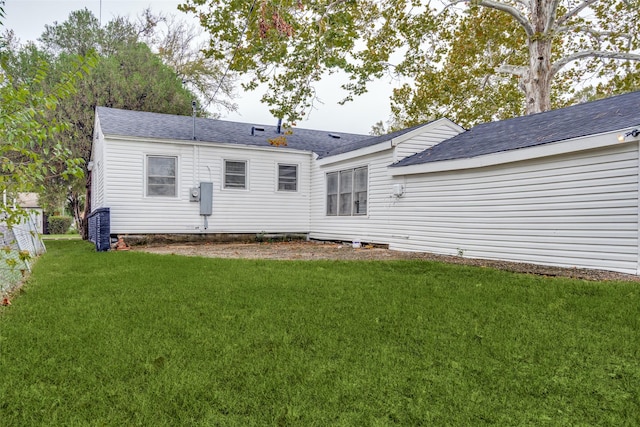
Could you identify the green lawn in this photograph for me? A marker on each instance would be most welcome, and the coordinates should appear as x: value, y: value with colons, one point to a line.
x: 128, y: 338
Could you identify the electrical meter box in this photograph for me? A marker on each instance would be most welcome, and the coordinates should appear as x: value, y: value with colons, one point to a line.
x: 194, y: 194
x: 206, y: 198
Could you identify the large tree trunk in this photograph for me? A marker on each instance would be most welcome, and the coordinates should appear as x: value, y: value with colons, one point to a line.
x: 537, y: 79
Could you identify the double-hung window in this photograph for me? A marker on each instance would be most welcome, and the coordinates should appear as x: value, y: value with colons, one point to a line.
x: 161, y: 176
x: 347, y: 192
x: 360, y: 178
x: 235, y: 174
x: 287, y: 177
x: 332, y: 193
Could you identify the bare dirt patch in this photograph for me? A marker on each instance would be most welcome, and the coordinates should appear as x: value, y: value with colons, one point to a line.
x: 314, y: 250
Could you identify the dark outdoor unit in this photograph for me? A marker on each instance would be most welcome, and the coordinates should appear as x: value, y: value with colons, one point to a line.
x: 100, y: 229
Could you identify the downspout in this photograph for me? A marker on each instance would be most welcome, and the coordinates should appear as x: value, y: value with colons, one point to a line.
x: 638, y: 210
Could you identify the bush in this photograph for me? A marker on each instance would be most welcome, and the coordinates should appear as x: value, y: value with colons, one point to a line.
x: 59, y: 224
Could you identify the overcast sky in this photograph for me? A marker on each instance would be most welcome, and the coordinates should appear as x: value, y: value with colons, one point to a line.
x: 28, y: 18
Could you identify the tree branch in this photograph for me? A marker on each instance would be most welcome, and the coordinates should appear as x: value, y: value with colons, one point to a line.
x: 525, y: 3
x: 517, y: 70
x: 552, y: 16
x: 515, y: 13
x: 557, y: 66
x: 595, y: 33
x: 570, y: 14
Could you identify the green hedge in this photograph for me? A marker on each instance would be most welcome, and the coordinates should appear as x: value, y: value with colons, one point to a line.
x: 59, y: 224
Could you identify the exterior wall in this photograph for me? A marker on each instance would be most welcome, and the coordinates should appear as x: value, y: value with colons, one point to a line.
x: 433, y: 134
x: 373, y: 227
x: 571, y: 210
x: 98, y: 170
x: 260, y: 208
x: 376, y: 226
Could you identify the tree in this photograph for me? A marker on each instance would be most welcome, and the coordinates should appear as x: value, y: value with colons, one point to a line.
x: 180, y: 46
x: 291, y: 44
x: 127, y: 74
x: 466, y: 87
x: 26, y: 130
x: 586, y: 29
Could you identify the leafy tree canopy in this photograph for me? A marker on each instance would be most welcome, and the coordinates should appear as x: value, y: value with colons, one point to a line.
x: 126, y: 74
x: 472, y: 61
x: 27, y: 128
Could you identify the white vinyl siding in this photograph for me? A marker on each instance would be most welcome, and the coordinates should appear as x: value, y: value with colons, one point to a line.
x: 97, y: 174
x: 257, y: 209
x: 372, y: 223
x: 573, y: 210
x: 235, y: 174
x: 161, y: 176
x: 287, y: 177
x: 423, y: 140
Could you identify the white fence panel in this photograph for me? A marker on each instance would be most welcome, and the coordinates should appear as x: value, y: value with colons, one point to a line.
x: 19, y: 245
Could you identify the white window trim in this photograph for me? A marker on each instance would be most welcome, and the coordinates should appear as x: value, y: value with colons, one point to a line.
x: 145, y: 176
x: 326, y: 194
x: 223, y: 180
x: 326, y: 191
x: 277, y: 183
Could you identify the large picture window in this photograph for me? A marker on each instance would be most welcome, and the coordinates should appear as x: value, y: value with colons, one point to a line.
x: 347, y: 192
x: 287, y: 178
x: 235, y: 174
x: 161, y: 176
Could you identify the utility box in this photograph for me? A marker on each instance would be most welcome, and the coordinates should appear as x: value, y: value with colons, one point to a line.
x: 194, y: 194
x: 398, y: 190
x: 206, y: 198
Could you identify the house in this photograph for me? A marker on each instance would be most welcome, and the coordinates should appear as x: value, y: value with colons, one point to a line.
x: 31, y: 203
x: 556, y: 188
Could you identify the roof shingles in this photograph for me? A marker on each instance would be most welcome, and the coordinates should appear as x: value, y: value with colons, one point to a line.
x: 166, y: 126
x: 589, y: 118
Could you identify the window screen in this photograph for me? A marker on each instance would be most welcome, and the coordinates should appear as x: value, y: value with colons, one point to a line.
x: 332, y: 193
x: 235, y: 174
x: 287, y: 178
x: 347, y: 192
x: 360, y: 191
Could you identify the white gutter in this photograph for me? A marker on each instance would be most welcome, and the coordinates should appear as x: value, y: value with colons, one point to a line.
x: 203, y: 143
x: 545, y: 150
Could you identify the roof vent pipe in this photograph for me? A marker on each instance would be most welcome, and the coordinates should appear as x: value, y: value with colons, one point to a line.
x: 255, y: 129
x: 279, y: 127
x: 194, y: 105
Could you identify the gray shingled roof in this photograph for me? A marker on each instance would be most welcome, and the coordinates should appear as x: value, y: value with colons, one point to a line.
x: 590, y: 118
x: 114, y: 121
x: 355, y: 145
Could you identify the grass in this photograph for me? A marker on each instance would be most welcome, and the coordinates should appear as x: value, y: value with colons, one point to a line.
x: 128, y: 338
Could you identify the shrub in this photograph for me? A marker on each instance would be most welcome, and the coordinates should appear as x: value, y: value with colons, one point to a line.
x: 59, y: 224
